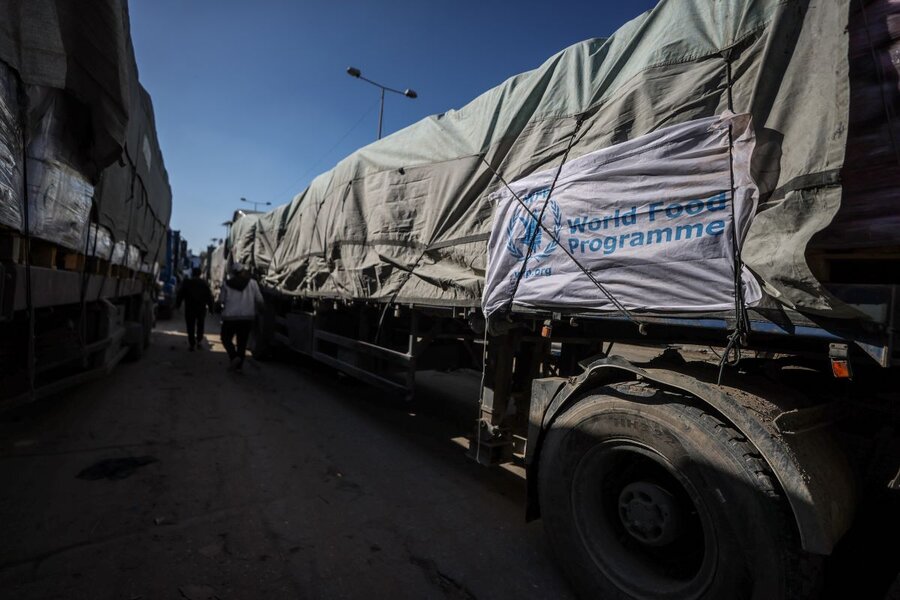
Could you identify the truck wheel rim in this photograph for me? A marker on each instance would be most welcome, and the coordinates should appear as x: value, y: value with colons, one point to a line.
x: 642, y: 522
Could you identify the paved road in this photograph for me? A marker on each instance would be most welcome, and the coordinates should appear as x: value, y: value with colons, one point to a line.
x: 283, y: 482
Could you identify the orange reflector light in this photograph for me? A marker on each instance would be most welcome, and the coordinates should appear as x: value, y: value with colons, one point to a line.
x: 841, y: 369
x: 547, y: 329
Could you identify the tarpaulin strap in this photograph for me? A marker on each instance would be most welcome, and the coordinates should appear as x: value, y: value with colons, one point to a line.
x: 153, y: 214
x: 130, y: 217
x: 409, y: 274
x: 615, y: 302
x: 426, y: 248
x: 540, y: 217
x: 84, y: 274
x: 29, y: 301
x: 326, y: 251
x: 372, y: 242
x: 92, y: 251
x: 809, y: 181
x: 739, y: 335
x: 134, y: 177
x: 156, y: 258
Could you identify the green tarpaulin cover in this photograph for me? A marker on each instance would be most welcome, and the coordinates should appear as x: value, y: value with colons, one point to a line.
x: 407, y: 218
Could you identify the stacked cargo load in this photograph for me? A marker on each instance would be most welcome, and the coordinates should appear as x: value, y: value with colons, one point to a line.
x: 100, y: 244
x: 59, y: 192
x: 422, y: 215
x: 70, y: 96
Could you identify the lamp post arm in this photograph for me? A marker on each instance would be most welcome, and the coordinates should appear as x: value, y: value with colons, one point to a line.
x: 354, y: 72
x: 383, y: 87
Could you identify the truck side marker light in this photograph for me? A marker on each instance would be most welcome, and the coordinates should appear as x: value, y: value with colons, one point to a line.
x: 841, y: 368
x: 840, y: 363
x: 547, y: 329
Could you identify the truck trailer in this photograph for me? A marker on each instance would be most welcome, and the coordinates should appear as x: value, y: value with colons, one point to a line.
x: 673, y: 255
x: 172, y: 273
x: 84, y: 196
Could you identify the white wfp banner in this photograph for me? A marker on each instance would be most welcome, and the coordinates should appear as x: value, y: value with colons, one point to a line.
x: 651, y: 218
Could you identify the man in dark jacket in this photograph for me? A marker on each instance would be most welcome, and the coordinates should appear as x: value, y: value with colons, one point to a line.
x: 196, y: 295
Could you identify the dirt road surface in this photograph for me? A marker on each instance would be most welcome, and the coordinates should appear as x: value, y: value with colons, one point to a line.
x: 172, y: 478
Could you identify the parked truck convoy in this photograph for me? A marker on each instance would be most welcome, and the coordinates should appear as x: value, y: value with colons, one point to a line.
x: 715, y: 183
x: 84, y: 196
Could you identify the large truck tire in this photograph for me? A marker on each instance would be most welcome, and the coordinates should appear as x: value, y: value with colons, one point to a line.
x: 645, y: 496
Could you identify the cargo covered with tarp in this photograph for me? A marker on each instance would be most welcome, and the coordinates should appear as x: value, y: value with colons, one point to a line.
x: 70, y: 96
x: 82, y: 48
x: 255, y: 236
x: 242, y: 234
x: 59, y: 192
x: 49, y: 143
x: 133, y: 199
x: 217, y: 267
x: 408, y: 218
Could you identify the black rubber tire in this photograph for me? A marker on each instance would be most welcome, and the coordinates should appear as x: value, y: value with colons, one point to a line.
x: 742, y: 543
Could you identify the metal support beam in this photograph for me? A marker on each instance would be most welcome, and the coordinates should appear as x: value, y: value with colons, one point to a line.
x: 492, y: 444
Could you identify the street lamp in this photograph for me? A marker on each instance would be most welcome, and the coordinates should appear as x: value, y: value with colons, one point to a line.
x: 354, y: 72
x: 255, y: 204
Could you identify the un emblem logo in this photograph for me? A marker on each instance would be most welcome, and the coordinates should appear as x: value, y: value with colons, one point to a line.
x: 523, y: 229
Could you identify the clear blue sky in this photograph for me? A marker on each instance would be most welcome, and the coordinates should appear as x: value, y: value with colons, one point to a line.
x: 252, y: 98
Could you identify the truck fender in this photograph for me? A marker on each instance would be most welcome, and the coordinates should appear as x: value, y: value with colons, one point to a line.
x: 808, y: 463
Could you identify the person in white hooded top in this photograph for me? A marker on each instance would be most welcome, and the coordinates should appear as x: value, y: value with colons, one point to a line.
x: 240, y: 297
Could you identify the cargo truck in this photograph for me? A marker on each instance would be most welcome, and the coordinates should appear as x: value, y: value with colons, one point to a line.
x: 673, y: 255
x: 84, y: 196
x: 172, y: 273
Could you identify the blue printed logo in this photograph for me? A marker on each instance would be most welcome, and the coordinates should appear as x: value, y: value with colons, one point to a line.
x: 523, y: 228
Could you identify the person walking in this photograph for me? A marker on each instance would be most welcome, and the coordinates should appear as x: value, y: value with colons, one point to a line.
x: 196, y: 296
x: 239, y: 297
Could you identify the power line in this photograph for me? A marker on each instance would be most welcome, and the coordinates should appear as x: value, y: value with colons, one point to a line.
x: 311, y: 170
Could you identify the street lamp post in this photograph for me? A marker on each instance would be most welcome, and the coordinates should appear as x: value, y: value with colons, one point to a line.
x: 354, y: 72
x: 255, y: 204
